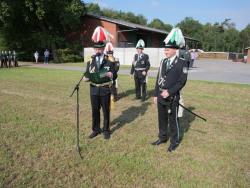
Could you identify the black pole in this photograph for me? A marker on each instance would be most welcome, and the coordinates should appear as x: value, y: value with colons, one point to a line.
x: 77, y: 115
x: 192, y: 112
x: 77, y: 122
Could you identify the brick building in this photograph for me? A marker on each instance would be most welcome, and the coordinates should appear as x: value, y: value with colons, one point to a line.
x: 125, y: 34
x: 248, y: 54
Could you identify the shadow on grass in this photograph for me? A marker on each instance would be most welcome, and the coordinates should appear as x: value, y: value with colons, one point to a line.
x: 185, y: 122
x: 125, y: 93
x: 128, y: 116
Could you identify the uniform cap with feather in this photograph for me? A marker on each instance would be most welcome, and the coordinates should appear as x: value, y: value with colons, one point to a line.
x: 109, y: 49
x: 140, y: 44
x: 175, y: 39
x: 99, y: 37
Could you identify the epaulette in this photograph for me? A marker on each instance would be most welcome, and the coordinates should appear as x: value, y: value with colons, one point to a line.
x: 111, y: 59
x: 163, y: 59
x: 88, y: 59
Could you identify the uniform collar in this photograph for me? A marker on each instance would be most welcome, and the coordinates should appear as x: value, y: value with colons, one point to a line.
x: 140, y: 55
x: 172, y: 59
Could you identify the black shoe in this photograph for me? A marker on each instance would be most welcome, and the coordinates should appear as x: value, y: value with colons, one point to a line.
x: 137, y: 97
x: 158, y: 142
x: 172, y: 147
x: 106, y: 135
x: 93, y: 134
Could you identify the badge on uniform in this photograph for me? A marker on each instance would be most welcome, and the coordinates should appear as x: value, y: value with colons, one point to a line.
x: 185, y: 70
x: 107, y: 68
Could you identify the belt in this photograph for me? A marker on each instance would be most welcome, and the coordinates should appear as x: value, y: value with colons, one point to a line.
x: 140, y: 69
x: 107, y: 84
x: 161, y: 89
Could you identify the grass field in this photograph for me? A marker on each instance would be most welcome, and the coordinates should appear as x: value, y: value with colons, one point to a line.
x: 79, y: 65
x: 37, y: 128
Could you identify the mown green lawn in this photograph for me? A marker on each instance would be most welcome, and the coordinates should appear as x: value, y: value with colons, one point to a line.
x: 82, y: 64
x: 37, y: 129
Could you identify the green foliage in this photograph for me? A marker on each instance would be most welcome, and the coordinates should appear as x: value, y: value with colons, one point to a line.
x: 245, y: 37
x: 218, y: 36
x: 2, y: 42
x: 191, y: 28
x: 66, y: 56
x: 25, y: 56
x: 231, y: 40
x: 29, y: 24
x: 94, y: 8
x: 158, y: 24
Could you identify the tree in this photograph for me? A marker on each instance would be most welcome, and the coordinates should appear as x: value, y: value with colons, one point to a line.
x: 245, y: 37
x: 2, y: 41
x: 37, y: 24
x: 231, y: 40
x: 191, y: 28
x: 158, y: 24
x: 94, y: 8
x: 227, y: 24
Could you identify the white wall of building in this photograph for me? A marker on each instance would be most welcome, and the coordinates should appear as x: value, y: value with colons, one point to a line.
x: 126, y: 55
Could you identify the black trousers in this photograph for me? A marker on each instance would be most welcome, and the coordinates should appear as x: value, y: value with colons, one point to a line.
x: 167, y: 116
x: 4, y: 63
x: 15, y: 63
x: 97, y: 102
x: 140, y: 87
x: 9, y: 61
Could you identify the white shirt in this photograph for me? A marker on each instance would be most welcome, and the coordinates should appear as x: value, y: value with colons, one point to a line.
x: 36, y: 55
x: 101, y: 58
x: 172, y: 59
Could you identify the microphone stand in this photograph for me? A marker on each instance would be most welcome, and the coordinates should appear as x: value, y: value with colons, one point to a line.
x: 76, y: 88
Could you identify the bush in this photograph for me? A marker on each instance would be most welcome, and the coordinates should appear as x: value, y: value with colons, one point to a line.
x: 240, y: 56
x: 66, y: 56
x: 24, y: 56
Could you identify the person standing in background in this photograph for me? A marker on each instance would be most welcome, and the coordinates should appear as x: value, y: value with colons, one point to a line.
x: 139, y: 69
x: 109, y: 50
x: 36, y: 56
x: 46, y: 56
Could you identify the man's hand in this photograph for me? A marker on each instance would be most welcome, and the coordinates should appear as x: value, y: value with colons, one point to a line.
x: 109, y: 74
x: 85, y: 79
x: 155, y: 100
x: 165, y: 94
x: 144, y: 73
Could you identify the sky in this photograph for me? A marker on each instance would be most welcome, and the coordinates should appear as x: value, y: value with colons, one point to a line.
x: 173, y: 12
